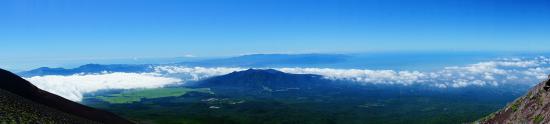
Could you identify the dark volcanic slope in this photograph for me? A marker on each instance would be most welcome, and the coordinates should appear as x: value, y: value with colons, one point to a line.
x: 16, y: 109
x: 533, y: 108
x: 32, y: 100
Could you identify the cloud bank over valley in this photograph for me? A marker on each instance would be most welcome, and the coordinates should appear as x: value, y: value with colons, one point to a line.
x: 74, y: 86
x: 504, y: 71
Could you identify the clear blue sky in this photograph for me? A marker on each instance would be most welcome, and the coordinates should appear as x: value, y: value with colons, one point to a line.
x: 66, y: 29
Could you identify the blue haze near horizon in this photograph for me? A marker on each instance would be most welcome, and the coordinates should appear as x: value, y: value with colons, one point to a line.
x: 392, y: 61
x: 412, y: 61
x: 70, y: 33
x: 431, y: 69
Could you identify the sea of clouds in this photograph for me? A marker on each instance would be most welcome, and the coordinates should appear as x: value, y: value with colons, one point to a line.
x: 74, y: 86
x: 527, y: 71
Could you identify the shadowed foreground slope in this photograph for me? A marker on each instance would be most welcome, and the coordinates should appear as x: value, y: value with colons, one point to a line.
x: 532, y: 108
x: 22, y: 102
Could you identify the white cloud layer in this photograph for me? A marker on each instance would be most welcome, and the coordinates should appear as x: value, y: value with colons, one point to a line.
x: 493, y: 73
x: 502, y: 71
x: 74, y: 86
x: 193, y: 73
x: 489, y: 73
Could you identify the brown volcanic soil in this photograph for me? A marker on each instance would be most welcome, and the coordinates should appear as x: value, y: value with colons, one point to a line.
x: 532, y: 108
x: 18, y: 110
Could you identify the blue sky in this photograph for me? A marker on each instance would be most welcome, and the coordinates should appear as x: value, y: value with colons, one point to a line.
x: 72, y: 29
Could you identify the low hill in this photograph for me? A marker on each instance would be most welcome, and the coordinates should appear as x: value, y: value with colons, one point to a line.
x: 260, y: 78
x: 22, y: 102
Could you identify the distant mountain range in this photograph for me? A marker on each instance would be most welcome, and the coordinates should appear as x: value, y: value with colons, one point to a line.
x: 88, y: 68
x: 22, y: 102
x: 250, y: 61
x: 271, y: 60
x: 382, y: 61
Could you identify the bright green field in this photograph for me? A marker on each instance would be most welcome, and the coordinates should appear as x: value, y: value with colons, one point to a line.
x: 136, y: 95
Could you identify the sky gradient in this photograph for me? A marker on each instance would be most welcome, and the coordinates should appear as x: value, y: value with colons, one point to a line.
x: 72, y: 29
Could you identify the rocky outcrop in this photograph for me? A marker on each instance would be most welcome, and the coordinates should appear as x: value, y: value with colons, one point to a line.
x: 532, y: 108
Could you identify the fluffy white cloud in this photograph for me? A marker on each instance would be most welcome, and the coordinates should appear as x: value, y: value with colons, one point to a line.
x: 193, y: 73
x: 492, y: 73
x: 74, y: 86
x: 370, y: 76
x: 478, y: 74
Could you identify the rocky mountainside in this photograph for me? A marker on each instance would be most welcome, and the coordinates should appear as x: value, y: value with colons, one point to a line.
x: 22, y: 102
x: 15, y: 109
x: 532, y: 108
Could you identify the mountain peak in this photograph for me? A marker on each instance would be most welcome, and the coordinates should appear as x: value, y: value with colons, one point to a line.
x: 91, y: 65
x: 259, y: 71
x: 260, y: 78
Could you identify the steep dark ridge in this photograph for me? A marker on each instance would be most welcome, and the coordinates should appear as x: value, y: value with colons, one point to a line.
x: 12, y: 83
x: 532, y: 108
